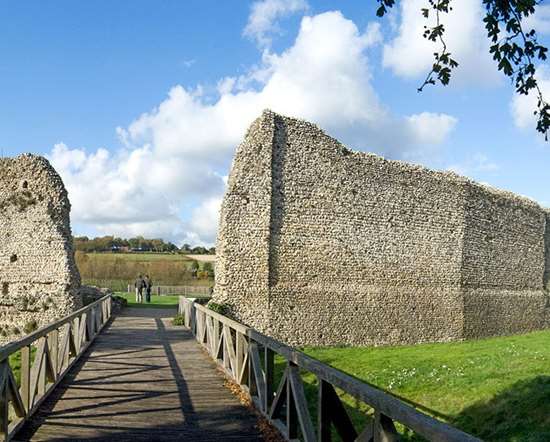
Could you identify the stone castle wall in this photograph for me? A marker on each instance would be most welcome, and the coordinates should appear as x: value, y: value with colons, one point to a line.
x: 322, y: 245
x: 39, y: 280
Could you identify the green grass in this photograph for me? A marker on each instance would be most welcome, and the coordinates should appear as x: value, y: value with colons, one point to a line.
x: 167, y: 301
x: 497, y: 389
x: 15, y: 363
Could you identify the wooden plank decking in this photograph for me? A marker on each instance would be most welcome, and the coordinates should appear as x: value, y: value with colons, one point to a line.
x: 143, y: 380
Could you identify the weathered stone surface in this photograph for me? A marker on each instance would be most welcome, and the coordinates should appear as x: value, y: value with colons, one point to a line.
x: 39, y: 280
x: 322, y: 245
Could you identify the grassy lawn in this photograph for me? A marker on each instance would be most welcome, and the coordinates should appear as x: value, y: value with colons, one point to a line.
x: 167, y: 301
x: 497, y: 389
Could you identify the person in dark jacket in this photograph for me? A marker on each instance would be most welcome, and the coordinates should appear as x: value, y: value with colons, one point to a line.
x: 148, y: 285
x: 139, y: 285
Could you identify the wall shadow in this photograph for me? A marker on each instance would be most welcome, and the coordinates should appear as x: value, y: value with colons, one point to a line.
x: 278, y: 155
x: 519, y: 413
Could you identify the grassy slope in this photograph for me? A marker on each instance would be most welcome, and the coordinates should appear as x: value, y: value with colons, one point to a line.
x: 497, y: 389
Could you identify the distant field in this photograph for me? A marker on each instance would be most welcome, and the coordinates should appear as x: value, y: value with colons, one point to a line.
x: 144, y: 257
x: 202, y: 258
x: 497, y: 389
x: 117, y: 270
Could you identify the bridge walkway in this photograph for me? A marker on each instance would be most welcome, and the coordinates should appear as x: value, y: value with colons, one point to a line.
x: 142, y: 380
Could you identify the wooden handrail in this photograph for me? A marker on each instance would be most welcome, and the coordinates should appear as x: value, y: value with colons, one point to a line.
x: 238, y: 350
x: 12, y: 347
x: 46, y: 356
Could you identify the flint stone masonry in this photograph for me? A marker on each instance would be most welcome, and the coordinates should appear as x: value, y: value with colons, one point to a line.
x: 321, y: 245
x: 38, y: 275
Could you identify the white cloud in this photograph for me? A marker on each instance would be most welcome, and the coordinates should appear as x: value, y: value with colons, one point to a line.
x: 373, y: 33
x: 188, y: 63
x: 171, y: 174
x: 524, y: 106
x: 262, y: 21
x: 430, y: 127
x: 410, y: 55
x: 204, y: 220
x: 539, y: 21
x: 477, y: 163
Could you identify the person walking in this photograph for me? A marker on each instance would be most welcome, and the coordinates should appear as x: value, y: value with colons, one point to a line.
x: 148, y: 285
x: 139, y: 285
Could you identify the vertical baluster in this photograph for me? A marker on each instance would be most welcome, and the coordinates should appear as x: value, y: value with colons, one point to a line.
x: 65, y: 355
x: 4, y: 409
x: 269, y: 358
x: 25, y: 389
x: 53, y: 340
x: 323, y: 412
x: 384, y: 429
x: 216, y: 340
x: 76, y: 333
x: 291, y: 414
x: 42, y: 372
x: 97, y: 318
x: 225, y: 358
x: 239, y: 356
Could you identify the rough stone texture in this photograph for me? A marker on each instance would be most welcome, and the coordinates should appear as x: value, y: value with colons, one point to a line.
x: 321, y: 245
x: 39, y: 280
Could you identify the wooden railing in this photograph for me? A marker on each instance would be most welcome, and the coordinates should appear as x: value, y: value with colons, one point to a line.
x: 46, y: 355
x: 248, y: 358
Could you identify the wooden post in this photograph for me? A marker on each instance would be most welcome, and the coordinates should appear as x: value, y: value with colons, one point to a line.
x: 384, y: 429
x: 291, y: 414
x: 323, y: 413
x: 26, y: 377
x: 42, y: 369
x: 269, y: 358
x: 4, y: 409
x: 54, y: 349
x: 239, y: 354
x: 216, y: 338
x: 225, y: 358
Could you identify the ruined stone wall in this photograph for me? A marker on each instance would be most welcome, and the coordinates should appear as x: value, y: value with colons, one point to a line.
x: 546, y: 275
x: 503, y: 263
x: 322, y: 245
x: 38, y: 276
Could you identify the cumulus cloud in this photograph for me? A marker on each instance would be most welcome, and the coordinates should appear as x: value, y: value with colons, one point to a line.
x: 474, y: 164
x: 171, y: 174
x: 539, y: 21
x: 264, y: 14
x: 431, y: 127
x: 410, y: 55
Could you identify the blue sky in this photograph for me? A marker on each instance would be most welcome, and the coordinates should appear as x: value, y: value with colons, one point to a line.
x: 140, y: 104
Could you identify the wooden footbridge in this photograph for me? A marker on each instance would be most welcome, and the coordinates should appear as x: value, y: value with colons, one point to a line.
x: 95, y: 376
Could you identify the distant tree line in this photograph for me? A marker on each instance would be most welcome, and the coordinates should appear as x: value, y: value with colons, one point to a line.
x: 137, y: 244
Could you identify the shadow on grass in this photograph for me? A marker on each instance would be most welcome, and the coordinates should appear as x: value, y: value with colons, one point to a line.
x: 519, y: 413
